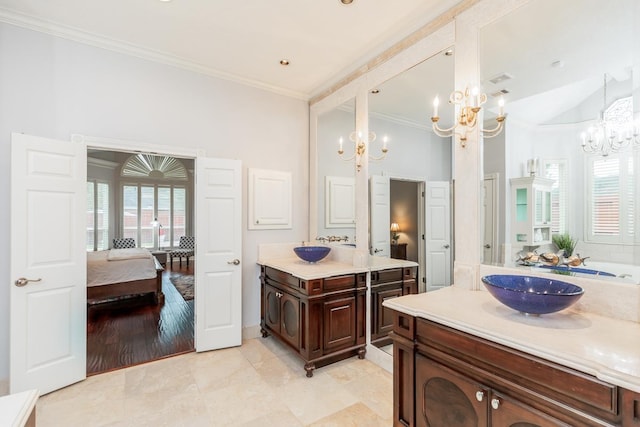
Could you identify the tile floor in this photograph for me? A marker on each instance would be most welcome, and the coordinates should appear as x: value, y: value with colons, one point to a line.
x: 258, y: 384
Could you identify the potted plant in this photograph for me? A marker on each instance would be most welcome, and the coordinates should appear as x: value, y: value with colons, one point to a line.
x: 565, y: 243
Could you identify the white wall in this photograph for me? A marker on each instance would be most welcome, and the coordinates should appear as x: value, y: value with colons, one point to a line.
x: 53, y: 88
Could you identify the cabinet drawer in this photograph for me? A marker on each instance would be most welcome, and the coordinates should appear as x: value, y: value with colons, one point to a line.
x: 384, y: 276
x: 339, y: 283
x: 282, y: 277
x: 539, y: 375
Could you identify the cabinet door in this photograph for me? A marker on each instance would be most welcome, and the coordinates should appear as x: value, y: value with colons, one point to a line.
x: 272, y: 308
x: 290, y: 315
x: 339, y: 315
x: 382, y: 317
x: 445, y: 398
x: 511, y: 413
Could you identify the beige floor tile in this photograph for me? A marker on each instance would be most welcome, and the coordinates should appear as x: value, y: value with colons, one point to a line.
x: 261, y: 383
x: 356, y: 415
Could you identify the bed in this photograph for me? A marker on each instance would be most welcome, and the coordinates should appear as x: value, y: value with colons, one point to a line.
x: 118, y: 273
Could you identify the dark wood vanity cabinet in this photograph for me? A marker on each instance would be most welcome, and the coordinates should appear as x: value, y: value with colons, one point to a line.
x: 387, y: 284
x: 444, y: 377
x: 322, y: 320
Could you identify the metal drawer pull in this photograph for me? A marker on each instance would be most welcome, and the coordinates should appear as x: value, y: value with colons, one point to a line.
x: 479, y: 396
x: 495, y: 403
x: 23, y: 281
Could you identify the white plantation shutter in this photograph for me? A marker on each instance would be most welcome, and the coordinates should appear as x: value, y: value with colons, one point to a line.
x: 557, y: 171
x: 630, y: 211
x: 611, y: 194
x: 98, y: 211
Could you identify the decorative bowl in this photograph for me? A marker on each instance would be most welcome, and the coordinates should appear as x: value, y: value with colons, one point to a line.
x: 312, y: 253
x: 532, y: 295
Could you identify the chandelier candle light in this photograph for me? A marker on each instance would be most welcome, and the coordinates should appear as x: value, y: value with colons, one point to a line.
x: 469, y: 104
x: 361, y: 147
x: 614, y: 129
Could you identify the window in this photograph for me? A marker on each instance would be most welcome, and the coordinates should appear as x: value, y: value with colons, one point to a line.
x: 611, y: 190
x: 557, y: 171
x: 154, y: 213
x: 144, y: 203
x: 97, y: 215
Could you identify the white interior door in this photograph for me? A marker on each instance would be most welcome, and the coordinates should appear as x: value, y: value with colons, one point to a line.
x: 438, y: 235
x: 218, y: 285
x: 48, y: 248
x: 380, y: 215
x: 489, y: 189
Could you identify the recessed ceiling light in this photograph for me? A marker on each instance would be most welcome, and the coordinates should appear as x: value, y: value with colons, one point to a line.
x: 165, y: 1
x: 346, y: 1
x: 284, y: 62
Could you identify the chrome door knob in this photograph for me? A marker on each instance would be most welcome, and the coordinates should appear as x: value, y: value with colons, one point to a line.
x: 375, y: 251
x: 23, y: 281
x: 446, y: 246
x: 487, y: 246
x: 234, y: 262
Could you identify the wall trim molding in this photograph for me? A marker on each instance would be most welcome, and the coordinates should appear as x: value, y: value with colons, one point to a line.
x: 130, y: 49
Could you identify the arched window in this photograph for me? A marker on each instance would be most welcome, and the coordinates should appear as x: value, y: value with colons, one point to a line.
x: 152, y: 166
x: 154, y: 200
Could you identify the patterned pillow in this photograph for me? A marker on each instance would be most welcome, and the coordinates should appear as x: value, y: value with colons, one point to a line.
x: 127, y: 242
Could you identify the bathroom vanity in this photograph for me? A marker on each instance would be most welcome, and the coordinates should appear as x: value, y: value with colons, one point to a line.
x: 462, y: 358
x: 322, y: 319
x: 320, y: 310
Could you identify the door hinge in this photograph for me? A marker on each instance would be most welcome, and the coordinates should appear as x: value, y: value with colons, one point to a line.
x: 424, y: 280
x: 423, y: 194
x: 423, y: 237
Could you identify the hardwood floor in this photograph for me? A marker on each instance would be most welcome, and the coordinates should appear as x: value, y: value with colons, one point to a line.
x: 134, y: 331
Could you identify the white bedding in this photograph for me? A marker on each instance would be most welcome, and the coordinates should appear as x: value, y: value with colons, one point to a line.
x: 102, y: 271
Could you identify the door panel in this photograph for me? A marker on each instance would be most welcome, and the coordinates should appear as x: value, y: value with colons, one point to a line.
x: 218, y: 286
x: 380, y: 215
x: 48, y: 219
x: 438, y: 235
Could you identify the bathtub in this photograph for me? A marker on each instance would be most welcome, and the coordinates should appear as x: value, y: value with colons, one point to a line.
x: 626, y: 272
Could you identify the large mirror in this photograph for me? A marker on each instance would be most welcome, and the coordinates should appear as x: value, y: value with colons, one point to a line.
x: 336, y: 181
x: 559, y: 66
x: 416, y: 172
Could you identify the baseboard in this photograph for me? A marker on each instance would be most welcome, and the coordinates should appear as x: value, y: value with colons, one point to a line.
x: 4, y: 386
x: 380, y: 358
x: 251, y: 332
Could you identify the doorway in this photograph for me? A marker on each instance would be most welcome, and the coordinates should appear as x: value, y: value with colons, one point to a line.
x: 54, y: 306
x: 147, y: 198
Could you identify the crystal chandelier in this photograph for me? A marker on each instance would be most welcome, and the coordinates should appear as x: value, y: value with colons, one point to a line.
x: 614, y: 130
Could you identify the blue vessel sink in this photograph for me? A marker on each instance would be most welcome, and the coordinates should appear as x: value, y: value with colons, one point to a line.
x: 312, y: 253
x: 532, y: 295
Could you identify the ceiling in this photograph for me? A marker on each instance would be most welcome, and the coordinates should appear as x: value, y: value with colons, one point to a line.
x: 244, y: 41
x: 518, y: 44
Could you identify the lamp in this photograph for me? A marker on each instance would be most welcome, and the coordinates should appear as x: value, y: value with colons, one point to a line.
x: 361, y: 147
x: 395, y: 228
x: 155, y: 223
x: 467, y: 116
x: 614, y: 129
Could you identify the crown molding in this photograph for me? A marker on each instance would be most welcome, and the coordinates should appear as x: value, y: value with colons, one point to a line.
x: 119, y: 46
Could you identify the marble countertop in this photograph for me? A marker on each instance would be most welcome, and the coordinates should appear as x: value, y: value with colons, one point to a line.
x: 329, y: 267
x: 15, y: 409
x: 604, y: 347
x: 310, y: 271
